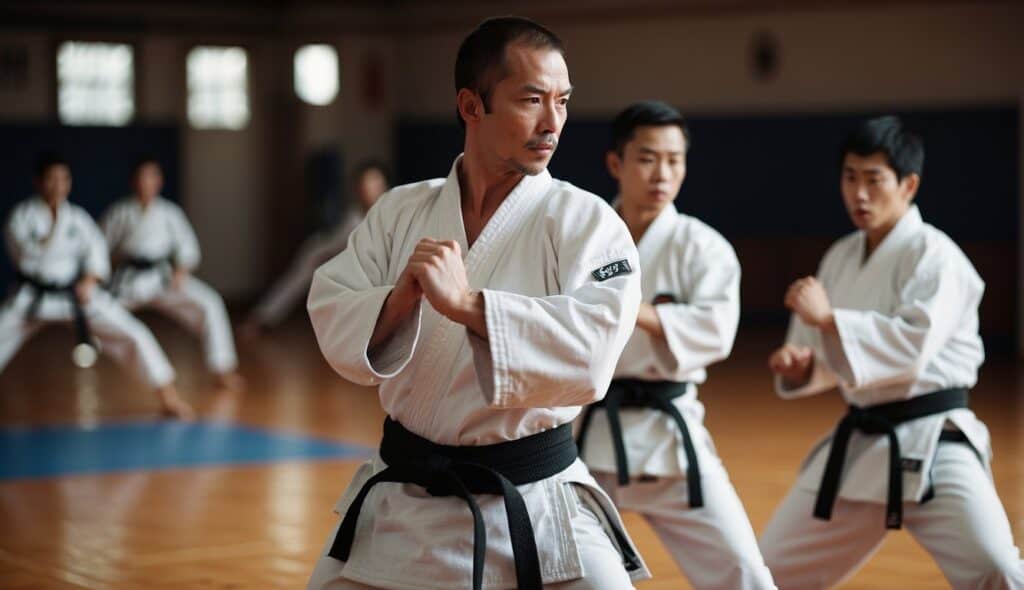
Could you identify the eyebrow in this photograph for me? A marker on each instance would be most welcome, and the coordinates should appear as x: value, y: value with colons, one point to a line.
x: 872, y: 171
x: 648, y: 150
x: 539, y: 90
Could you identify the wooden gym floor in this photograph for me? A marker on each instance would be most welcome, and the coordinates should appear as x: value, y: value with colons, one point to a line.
x: 259, y: 520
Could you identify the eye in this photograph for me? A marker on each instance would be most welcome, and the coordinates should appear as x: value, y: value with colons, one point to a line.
x: 563, y: 101
x: 646, y: 160
x: 532, y: 100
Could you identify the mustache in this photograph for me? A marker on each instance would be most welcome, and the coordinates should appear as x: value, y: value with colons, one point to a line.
x: 544, y: 140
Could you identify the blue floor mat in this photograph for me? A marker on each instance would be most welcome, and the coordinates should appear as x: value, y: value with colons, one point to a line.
x: 53, y: 451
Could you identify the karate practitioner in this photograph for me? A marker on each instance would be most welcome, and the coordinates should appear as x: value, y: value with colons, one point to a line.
x: 155, y: 252
x: 891, y: 319
x: 489, y: 306
x: 654, y: 455
x: 60, y: 257
x: 371, y: 182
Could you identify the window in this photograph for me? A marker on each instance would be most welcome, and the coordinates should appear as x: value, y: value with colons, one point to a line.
x: 316, y: 74
x: 218, y: 93
x: 95, y: 83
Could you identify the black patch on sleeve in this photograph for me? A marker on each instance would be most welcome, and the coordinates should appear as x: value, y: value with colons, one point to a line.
x: 612, y: 269
x: 664, y: 298
x: 912, y: 465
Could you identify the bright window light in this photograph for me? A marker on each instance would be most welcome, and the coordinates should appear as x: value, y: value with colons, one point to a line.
x: 316, y: 74
x: 95, y: 83
x: 218, y: 88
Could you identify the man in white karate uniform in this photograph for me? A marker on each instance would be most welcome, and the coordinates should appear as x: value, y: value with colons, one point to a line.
x: 489, y: 306
x: 60, y: 257
x: 155, y: 252
x: 646, y: 441
x: 371, y: 181
x: 891, y: 319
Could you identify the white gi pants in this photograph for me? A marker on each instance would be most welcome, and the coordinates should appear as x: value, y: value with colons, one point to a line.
x: 714, y: 545
x: 200, y: 310
x: 602, y: 563
x: 964, y: 527
x: 118, y: 333
x: 293, y: 286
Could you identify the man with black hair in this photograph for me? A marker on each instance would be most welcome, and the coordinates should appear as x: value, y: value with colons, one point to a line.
x: 891, y: 318
x: 489, y: 306
x: 646, y: 440
x: 371, y: 181
x: 61, y: 258
x: 155, y: 251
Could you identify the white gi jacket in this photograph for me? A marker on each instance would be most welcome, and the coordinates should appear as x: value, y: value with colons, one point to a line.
x: 907, y: 319
x: 694, y: 275
x: 154, y: 233
x: 54, y: 251
x: 554, y: 333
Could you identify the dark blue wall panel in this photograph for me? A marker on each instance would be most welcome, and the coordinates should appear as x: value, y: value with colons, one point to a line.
x: 101, y: 163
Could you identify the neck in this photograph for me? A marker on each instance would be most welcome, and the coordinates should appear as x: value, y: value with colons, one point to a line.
x: 53, y: 204
x: 483, y: 187
x: 877, y: 235
x: 145, y: 202
x: 637, y: 219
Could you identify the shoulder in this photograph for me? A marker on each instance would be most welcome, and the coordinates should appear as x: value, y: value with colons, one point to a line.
x: 577, y: 210
x: 697, y: 235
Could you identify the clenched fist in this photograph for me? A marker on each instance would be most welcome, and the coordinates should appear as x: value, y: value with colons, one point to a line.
x: 807, y: 298
x: 440, y: 273
x: 793, y: 364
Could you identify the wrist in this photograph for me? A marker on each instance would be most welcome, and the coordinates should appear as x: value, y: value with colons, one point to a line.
x: 828, y: 323
x: 468, y: 306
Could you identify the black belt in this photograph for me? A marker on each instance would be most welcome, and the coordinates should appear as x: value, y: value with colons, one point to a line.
x: 138, y: 264
x: 881, y: 419
x: 67, y: 290
x: 466, y: 470
x: 634, y: 393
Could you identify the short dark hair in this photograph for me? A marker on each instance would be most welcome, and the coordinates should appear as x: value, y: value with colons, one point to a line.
x: 903, y: 150
x: 144, y: 160
x: 47, y: 160
x: 645, y: 113
x: 481, y: 58
x: 372, y: 164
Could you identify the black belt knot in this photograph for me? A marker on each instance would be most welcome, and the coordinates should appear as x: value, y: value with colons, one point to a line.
x: 659, y: 395
x: 67, y: 290
x: 463, y: 471
x: 881, y: 419
x: 139, y: 264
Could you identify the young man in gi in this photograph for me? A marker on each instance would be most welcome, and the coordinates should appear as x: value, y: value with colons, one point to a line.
x: 60, y: 257
x: 371, y: 182
x: 891, y: 318
x: 489, y: 306
x: 646, y: 441
x: 155, y: 252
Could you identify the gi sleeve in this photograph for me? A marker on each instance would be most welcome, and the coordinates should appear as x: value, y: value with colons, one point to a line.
x: 561, y: 350
x: 21, y: 243
x: 345, y: 300
x: 186, y: 244
x: 702, y: 330
x: 115, y: 229
x: 95, y: 257
x: 872, y: 349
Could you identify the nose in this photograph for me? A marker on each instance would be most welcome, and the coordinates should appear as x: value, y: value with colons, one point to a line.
x: 552, y: 120
x: 661, y: 171
x: 862, y: 192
